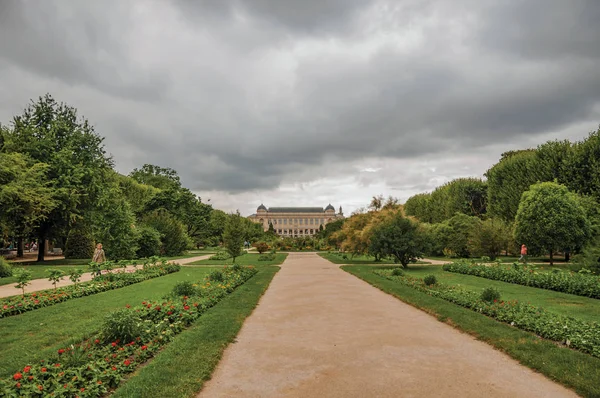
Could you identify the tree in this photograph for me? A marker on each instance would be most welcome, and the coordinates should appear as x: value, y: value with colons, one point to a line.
x: 80, y: 242
x: 233, y: 236
x: 419, y: 206
x: 399, y: 237
x: 489, y: 238
x: 376, y: 203
x: 149, y: 243
x: 158, y: 177
x: 52, y: 133
x: 582, y: 168
x: 550, y: 218
x: 174, y: 240
x: 460, y: 228
x: 25, y: 198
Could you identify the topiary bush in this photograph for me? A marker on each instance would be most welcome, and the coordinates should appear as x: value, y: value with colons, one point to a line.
x: 122, y: 325
x: 261, y: 247
x: 397, y: 272
x: 80, y: 242
x: 5, y: 268
x: 490, y: 294
x: 148, y: 241
x: 430, y: 280
x: 184, y: 288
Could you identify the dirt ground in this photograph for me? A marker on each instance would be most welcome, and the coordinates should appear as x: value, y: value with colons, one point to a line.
x: 321, y: 332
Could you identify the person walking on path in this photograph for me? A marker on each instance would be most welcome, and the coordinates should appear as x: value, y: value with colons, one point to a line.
x: 523, y: 253
x: 99, y: 256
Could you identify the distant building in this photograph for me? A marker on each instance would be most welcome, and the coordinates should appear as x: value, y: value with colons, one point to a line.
x: 295, y: 221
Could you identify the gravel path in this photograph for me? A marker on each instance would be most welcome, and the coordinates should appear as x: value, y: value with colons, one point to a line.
x: 321, y: 332
x: 43, y: 284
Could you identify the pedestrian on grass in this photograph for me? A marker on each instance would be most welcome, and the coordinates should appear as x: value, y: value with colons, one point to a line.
x: 523, y: 253
x: 99, y: 256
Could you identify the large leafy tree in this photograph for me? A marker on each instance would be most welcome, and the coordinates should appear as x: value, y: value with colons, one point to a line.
x: 550, y: 218
x: 234, y: 234
x: 52, y: 133
x: 26, y: 199
x: 489, y: 238
x: 398, y: 237
x: 582, y: 168
x: 419, y: 206
x: 159, y: 177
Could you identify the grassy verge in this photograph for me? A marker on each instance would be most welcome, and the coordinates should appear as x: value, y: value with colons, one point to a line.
x: 40, y: 272
x: 245, y: 259
x: 33, y: 335
x: 573, y: 369
x: 584, y: 308
x: 188, y: 362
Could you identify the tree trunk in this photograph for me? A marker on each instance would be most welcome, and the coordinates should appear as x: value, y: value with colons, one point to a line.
x: 41, y: 247
x: 551, y: 258
x: 567, y: 256
x: 20, y: 244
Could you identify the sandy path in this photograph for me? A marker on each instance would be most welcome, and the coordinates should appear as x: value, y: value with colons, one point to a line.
x: 321, y: 332
x: 43, y: 284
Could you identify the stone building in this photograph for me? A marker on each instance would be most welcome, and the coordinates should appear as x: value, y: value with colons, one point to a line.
x: 295, y: 221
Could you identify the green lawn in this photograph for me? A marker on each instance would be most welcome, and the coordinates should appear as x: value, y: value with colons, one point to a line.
x: 508, y: 259
x: 56, y: 261
x: 584, y: 308
x: 181, y: 369
x: 245, y: 259
x: 357, y: 260
x: 34, y: 335
x: 569, y: 367
x: 39, y: 271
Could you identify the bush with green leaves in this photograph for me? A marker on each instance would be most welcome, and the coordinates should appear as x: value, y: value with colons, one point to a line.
x: 184, y: 288
x: 266, y: 257
x: 5, y: 268
x: 75, y: 276
x: 261, y: 247
x: 55, y: 276
x: 397, y: 272
x: 220, y: 256
x: 216, y: 276
x: 23, y: 279
x: 490, y: 295
x: 174, y: 239
x: 122, y: 325
x: 148, y: 241
x: 80, y: 242
x: 430, y: 280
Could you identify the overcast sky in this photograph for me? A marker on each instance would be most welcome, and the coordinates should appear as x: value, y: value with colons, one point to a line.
x: 307, y: 102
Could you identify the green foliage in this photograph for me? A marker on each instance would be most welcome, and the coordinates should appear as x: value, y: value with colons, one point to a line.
x: 148, y: 242
x: 75, y: 275
x: 23, y: 279
x: 399, y: 237
x: 216, y: 276
x: 551, y: 218
x: 122, y: 326
x: 233, y: 236
x: 489, y: 238
x: 460, y: 229
x: 266, y: 257
x: 261, y: 247
x: 221, y: 255
x: 490, y: 294
x: 174, y: 239
x: 5, y: 268
x: 582, y: 168
x: 590, y: 258
x: 430, y: 280
x: 80, y: 242
x: 577, y: 284
x: 184, y: 288
x: 55, y: 276
x: 397, y: 272
x: 419, y: 207
x: 156, y: 176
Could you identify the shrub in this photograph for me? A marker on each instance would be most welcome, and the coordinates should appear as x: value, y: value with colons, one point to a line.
x: 220, y: 256
x: 266, y: 257
x: 236, y: 268
x: 5, y: 268
x: 122, y: 325
x: 397, y: 272
x: 184, y: 288
x: 148, y: 241
x: 430, y: 280
x: 215, y: 276
x: 80, y: 242
x: 174, y: 239
x: 262, y: 247
x: 490, y: 294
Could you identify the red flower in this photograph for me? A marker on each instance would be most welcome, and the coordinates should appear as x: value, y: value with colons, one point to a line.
x: 127, y: 362
x: 114, y: 344
x: 157, y: 308
x: 64, y: 386
x: 61, y: 351
x: 27, y: 369
x: 127, y: 306
x: 18, y: 385
x: 114, y: 368
x: 169, y: 313
x: 57, y: 365
x: 144, y: 347
x: 187, y: 307
x: 44, y: 370
x: 82, y: 389
x: 97, y: 341
x: 40, y: 388
x: 99, y: 382
x: 30, y: 378
x: 18, y: 376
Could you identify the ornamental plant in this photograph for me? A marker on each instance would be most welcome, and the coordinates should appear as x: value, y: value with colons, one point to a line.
x: 75, y: 276
x: 490, y: 295
x: 430, y: 280
x: 23, y: 279
x: 55, y: 276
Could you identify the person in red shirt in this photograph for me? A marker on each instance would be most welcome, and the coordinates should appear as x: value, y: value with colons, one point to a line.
x: 523, y: 253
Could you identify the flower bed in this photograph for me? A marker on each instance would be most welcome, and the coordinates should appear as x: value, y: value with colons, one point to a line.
x: 577, y: 334
x: 96, y: 366
x: 18, y: 304
x: 578, y: 284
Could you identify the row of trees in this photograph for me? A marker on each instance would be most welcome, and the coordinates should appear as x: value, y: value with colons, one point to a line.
x: 58, y: 183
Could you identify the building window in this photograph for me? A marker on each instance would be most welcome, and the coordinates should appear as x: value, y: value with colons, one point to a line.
x: 284, y: 221
x: 300, y: 221
x: 312, y: 231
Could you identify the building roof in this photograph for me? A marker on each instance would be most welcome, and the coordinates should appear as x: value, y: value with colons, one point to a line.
x: 295, y: 210
x: 329, y: 207
x: 261, y: 207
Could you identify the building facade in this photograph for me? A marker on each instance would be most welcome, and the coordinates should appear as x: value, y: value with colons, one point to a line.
x: 295, y: 221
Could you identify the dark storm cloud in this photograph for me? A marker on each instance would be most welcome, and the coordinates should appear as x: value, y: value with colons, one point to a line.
x: 244, y: 95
